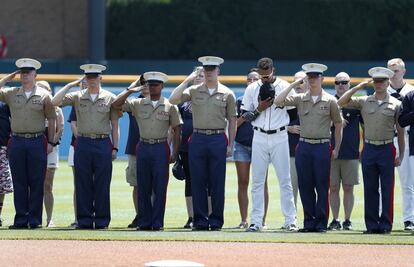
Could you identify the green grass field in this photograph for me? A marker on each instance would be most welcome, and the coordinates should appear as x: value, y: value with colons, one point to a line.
x: 175, y: 217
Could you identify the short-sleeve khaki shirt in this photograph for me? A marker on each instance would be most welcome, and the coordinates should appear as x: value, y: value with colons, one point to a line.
x: 379, y: 118
x: 153, y: 122
x: 28, y: 113
x: 315, y: 117
x: 210, y: 111
x: 93, y: 117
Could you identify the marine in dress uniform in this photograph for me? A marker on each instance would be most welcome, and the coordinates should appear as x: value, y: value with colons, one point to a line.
x: 130, y: 150
x: 29, y: 105
x: 213, y: 106
x: 94, y: 149
x: 317, y: 110
x: 154, y: 115
x: 380, y: 113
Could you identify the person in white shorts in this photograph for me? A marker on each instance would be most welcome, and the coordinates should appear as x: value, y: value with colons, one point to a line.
x: 398, y: 88
x: 270, y: 144
x: 52, y: 160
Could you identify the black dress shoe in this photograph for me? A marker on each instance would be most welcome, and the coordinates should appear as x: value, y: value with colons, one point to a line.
x: 157, y: 229
x: 83, y: 227
x: 370, y: 232
x: 101, y: 227
x: 134, y: 223
x: 305, y: 230
x: 17, y: 227
x: 320, y: 230
x: 189, y: 223
x: 200, y: 228
x: 144, y: 228
x: 215, y: 228
x: 384, y: 231
x: 35, y: 226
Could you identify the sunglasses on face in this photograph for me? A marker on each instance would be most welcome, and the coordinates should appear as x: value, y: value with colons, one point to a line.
x: 341, y: 82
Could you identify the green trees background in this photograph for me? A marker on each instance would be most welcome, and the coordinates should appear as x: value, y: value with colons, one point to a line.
x: 245, y: 29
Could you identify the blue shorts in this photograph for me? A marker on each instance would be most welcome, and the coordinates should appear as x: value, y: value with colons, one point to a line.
x: 242, y: 153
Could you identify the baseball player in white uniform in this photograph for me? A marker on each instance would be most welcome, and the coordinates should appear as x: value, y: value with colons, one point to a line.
x: 399, y: 88
x: 270, y: 144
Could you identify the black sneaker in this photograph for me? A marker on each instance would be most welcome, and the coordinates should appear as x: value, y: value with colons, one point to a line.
x: 334, y: 225
x: 347, y: 225
x: 134, y: 223
x: 189, y: 223
x: 408, y: 226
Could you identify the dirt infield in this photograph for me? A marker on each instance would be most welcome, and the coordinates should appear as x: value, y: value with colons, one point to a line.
x: 131, y: 253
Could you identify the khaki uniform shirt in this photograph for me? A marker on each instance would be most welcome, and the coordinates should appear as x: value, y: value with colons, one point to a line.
x: 315, y: 118
x: 210, y: 111
x: 28, y: 113
x: 379, y: 119
x: 93, y: 117
x: 153, y: 122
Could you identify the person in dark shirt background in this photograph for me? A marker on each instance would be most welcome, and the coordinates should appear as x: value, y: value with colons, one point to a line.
x: 133, y: 138
x: 6, y: 184
x: 344, y: 169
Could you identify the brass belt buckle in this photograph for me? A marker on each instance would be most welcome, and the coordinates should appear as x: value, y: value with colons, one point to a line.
x: 27, y: 135
x: 151, y: 141
x: 209, y: 132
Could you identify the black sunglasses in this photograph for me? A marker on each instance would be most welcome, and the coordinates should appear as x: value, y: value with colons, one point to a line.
x: 341, y: 82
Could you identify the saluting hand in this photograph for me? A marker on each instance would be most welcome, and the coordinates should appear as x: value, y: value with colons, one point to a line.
x: 75, y: 83
x: 190, y: 78
x: 137, y: 88
x: 9, y: 77
x: 134, y: 84
x: 362, y: 85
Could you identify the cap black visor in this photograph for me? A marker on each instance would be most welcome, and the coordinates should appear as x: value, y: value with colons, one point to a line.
x: 154, y: 82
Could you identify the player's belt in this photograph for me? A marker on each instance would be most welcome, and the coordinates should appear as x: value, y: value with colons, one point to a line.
x: 269, y: 131
x: 153, y: 141
x: 314, y: 140
x: 209, y: 131
x: 378, y: 143
x: 94, y: 136
x: 28, y: 135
